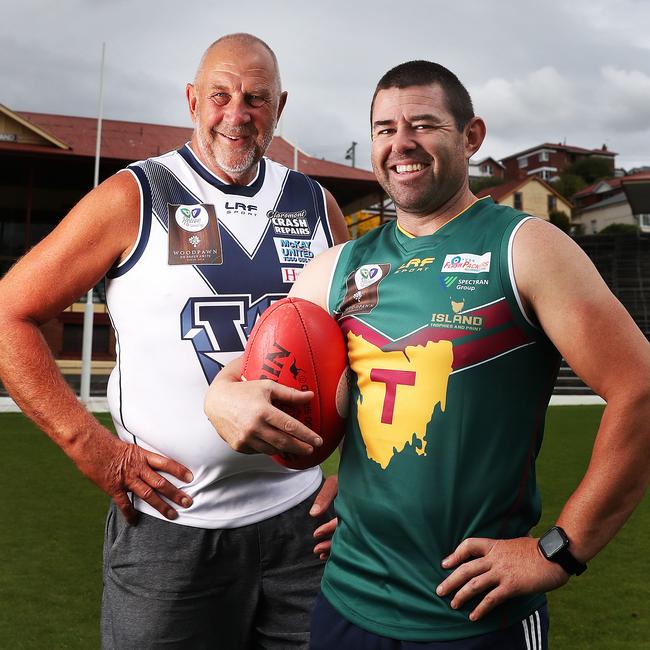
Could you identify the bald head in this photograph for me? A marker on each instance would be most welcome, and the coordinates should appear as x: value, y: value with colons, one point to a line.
x: 235, y: 102
x: 243, y: 42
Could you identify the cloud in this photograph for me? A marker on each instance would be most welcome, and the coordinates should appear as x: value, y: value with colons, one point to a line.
x: 542, y: 97
x: 619, y: 21
x: 626, y: 99
x: 549, y: 106
x: 558, y: 70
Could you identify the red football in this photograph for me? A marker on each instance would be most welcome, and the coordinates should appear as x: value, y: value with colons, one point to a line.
x: 297, y: 343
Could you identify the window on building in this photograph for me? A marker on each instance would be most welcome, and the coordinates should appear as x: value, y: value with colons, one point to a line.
x: 488, y: 170
x: 644, y: 221
x: 594, y: 226
x: 523, y: 162
x: 551, y: 203
x: 518, y: 201
x: 543, y: 156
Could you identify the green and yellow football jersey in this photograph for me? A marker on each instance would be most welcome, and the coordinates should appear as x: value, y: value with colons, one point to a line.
x: 450, y: 386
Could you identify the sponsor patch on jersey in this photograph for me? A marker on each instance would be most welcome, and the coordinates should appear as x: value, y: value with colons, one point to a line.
x: 191, y: 218
x: 193, y: 235
x: 415, y: 264
x: 462, y: 284
x: 237, y: 207
x: 290, y: 274
x: 466, y: 263
x: 457, y: 318
x: 289, y: 223
x: 367, y: 274
x: 362, y: 289
x: 293, y: 251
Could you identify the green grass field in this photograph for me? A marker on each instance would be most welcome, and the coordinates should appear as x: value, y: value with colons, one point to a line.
x: 52, y: 527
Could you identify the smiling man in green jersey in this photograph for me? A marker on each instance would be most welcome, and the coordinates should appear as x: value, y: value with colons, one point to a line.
x: 456, y: 316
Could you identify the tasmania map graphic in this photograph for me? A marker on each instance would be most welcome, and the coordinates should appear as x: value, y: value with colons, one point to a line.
x: 402, y: 381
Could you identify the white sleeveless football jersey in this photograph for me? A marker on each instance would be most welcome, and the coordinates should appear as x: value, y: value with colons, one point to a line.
x: 178, y: 321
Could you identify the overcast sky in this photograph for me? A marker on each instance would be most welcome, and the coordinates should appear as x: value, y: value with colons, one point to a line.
x: 551, y: 71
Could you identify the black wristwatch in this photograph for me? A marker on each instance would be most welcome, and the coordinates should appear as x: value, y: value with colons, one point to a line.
x: 554, y: 545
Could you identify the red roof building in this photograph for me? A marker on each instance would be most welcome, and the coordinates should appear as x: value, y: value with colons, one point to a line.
x: 47, y: 165
x: 547, y: 160
x: 620, y: 200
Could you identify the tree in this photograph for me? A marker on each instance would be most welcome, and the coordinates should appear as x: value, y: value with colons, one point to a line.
x: 591, y: 169
x: 477, y: 184
x: 568, y: 184
x: 560, y: 219
x: 577, y: 176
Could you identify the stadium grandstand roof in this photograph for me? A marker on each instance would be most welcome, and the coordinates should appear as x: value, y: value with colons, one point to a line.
x: 73, y: 137
x: 123, y: 140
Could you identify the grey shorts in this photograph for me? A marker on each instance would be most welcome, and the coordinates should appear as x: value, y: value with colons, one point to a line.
x: 178, y: 587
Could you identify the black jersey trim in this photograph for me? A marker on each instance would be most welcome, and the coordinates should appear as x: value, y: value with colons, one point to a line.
x: 320, y: 206
x: 118, y: 364
x: 145, y: 225
x: 241, y: 190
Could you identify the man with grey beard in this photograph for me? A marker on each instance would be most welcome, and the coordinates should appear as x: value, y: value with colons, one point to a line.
x: 222, y: 554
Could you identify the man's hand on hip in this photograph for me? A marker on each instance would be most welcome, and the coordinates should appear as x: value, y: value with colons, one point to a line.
x: 499, y: 569
x: 119, y: 468
x: 324, y: 499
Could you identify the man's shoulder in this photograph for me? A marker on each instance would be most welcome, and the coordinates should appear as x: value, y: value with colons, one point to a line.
x: 279, y: 168
x: 493, y: 217
x: 161, y: 158
x: 374, y: 240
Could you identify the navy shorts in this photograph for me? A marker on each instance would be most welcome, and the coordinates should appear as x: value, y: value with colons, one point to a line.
x: 331, y: 631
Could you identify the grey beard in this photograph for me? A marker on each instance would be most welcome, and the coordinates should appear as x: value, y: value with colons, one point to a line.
x: 251, y: 157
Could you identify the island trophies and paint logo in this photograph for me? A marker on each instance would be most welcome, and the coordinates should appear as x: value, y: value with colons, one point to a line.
x: 193, y: 235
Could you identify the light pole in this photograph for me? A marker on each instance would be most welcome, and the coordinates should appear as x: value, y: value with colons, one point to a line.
x: 349, y: 154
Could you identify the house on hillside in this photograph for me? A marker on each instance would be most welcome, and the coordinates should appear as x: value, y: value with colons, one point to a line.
x: 486, y: 168
x: 547, y: 160
x: 530, y: 195
x: 607, y: 202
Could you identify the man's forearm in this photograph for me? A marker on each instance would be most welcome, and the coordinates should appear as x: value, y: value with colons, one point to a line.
x: 33, y: 379
x: 616, y: 479
x: 30, y: 374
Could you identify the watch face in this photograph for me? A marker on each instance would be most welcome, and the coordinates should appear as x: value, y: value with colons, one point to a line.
x: 552, y: 542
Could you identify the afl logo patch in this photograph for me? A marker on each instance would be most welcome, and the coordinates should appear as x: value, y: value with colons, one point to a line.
x: 191, y: 218
x: 367, y: 275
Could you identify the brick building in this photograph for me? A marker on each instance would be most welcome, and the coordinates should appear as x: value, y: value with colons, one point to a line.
x: 547, y: 160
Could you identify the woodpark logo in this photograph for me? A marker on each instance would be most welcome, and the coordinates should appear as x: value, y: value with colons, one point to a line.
x: 362, y: 289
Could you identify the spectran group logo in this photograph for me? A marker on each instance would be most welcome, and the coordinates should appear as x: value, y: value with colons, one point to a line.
x: 191, y: 218
x: 466, y: 263
x: 367, y: 275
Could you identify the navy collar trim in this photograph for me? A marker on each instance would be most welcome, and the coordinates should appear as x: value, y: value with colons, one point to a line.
x: 240, y: 190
